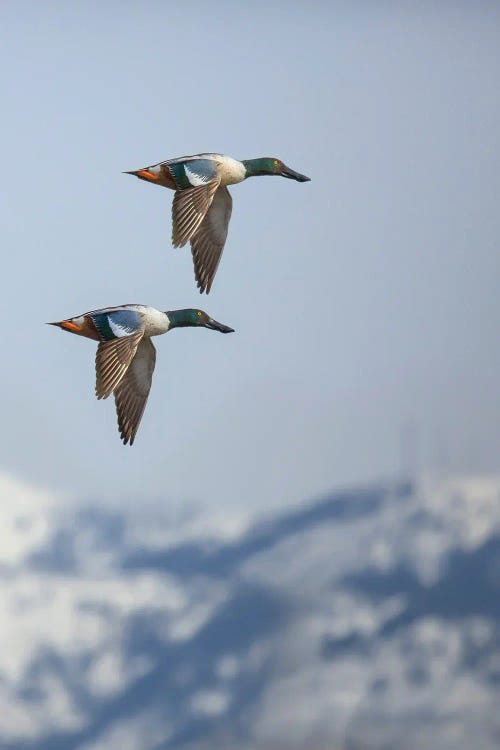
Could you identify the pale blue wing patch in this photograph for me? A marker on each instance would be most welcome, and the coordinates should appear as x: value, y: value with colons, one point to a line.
x: 117, y: 323
x: 193, y: 173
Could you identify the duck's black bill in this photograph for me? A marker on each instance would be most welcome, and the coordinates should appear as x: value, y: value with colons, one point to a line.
x: 293, y: 175
x: 211, y: 323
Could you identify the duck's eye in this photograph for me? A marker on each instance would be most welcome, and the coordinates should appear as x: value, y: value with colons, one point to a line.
x: 199, y: 313
x: 276, y: 163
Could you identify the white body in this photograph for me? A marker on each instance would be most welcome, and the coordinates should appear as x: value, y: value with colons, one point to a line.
x: 231, y: 171
x: 156, y: 321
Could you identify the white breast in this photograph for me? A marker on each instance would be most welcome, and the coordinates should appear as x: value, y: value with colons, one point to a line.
x: 231, y: 170
x: 156, y: 321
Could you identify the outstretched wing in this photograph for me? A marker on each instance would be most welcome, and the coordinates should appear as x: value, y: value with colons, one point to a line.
x: 189, y: 208
x: 112, y: 360
x: 208, y: 242
x: 132, y: 392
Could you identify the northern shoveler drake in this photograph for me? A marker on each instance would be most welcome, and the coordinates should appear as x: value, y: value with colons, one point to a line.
x: 125, y: 358
x: 202, y: 203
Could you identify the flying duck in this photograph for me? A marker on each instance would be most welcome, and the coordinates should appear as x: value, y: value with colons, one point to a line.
x: 125, y: 358
x: 202, y: 203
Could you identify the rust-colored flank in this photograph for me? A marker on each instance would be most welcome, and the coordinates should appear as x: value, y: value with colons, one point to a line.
x: 147, y: 175
x: 71, y: 326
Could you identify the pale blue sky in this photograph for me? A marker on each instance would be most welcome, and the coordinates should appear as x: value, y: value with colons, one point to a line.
x: 362, y: 300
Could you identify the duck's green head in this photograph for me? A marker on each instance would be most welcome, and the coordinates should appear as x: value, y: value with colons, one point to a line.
x: 190, y: 317
x: 268, y: 165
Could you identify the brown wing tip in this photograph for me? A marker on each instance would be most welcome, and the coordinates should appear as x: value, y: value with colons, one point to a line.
x: 177, y: 242
x: 128, y: 434
x: 203, y: 285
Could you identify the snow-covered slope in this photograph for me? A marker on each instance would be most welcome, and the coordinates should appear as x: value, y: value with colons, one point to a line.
x: 368, y: 619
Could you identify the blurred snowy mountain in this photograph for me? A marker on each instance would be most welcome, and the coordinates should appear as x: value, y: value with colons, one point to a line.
x: 366, y: 620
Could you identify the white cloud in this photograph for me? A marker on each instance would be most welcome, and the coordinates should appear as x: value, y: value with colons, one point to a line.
x: 24, y: 517
x: 210, y: 702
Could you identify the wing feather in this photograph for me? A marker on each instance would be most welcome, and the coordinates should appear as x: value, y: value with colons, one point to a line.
x: 132, y: 392
x: 112, y: 361
x: 208, y: 242
x: 189, y: 208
